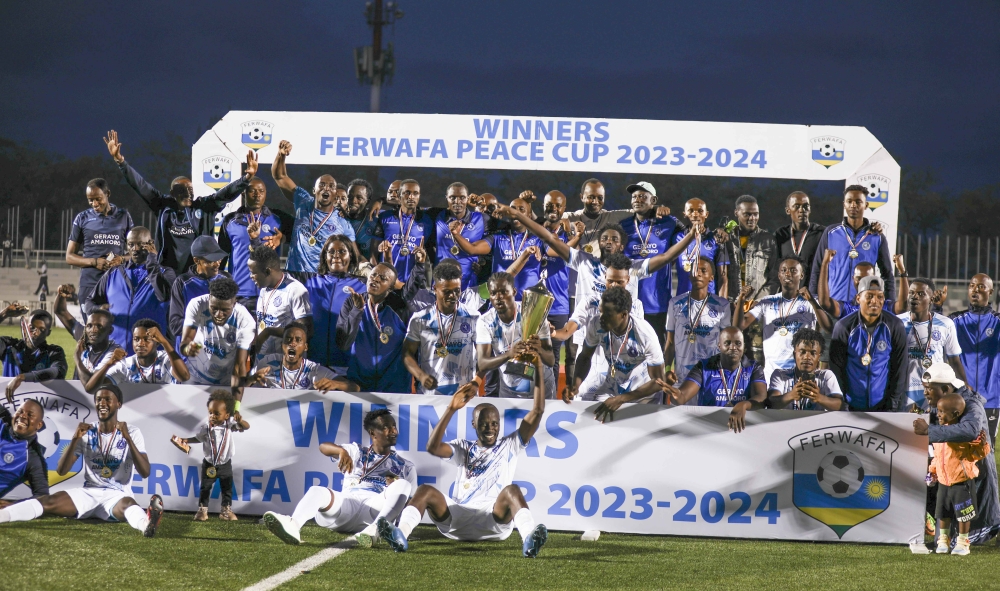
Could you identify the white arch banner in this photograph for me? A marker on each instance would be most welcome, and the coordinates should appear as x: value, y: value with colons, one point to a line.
x: 636, y: 146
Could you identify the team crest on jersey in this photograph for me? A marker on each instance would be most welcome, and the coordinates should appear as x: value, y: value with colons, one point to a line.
x: 256, y: 134
x: 842, y: 476
x: 346, y: 289
x: 989, y: 332
x: 217, y: 171
x: 62, y: 415
x: 277, y: 300
x: 866, y: 245
x: 198, y: 213
x: 8, y: 458
x: 466, y: 327
x: 801, y: 309
x: 876, y: 189
x: 633, y: 351
x: 828, y: 150
x: 936, y: 335
x: 388, y: 330
x: 882, y: 345
x: 231, y: 337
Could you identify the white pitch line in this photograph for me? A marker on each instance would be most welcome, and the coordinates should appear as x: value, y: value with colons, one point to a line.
x: 308, y: 564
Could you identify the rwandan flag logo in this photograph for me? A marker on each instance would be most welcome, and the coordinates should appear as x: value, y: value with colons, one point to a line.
x: 256, y: 134
x: 876, y: 189
x: 842, y: 475
x: 828, y: 150
x: 218, y: 171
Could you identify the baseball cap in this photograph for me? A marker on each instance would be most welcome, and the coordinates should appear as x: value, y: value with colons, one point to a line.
x: 869, y: 282
x: 643, y: 185
x: 941, y: 373
x: 205, y: 247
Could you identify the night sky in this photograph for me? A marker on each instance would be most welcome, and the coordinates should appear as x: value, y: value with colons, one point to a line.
x: 923, y: 77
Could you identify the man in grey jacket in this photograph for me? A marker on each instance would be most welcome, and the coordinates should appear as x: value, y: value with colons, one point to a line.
x: 939, y: 379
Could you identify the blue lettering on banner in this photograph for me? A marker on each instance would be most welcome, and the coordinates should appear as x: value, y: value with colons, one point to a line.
x: 568, y: 439
x: 403, y: 424
x: 315, y: 479
x: 192, y: 483
x: 276, y: 486
x: 159, y: 475
x: 315, y: 418
x: 427, y: 419
x: 250, y: 484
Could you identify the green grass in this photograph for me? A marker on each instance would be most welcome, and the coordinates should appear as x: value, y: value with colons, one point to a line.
x: 60, y: 336
x: 56, y: 553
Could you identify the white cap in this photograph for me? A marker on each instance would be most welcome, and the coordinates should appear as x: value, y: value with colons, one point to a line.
x: 643, y: 185
x: 942, y: 373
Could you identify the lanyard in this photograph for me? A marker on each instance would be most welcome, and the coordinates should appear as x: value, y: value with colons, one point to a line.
x: 854, y: 245
x: 365, y: 470
x: 614, y: 357
x: 142, y: 374
x: 316, y: 229
x: 298, y: 374
x: 517, y: 249
x: 782, y: 314
x: 642, y: 241
x: 503, y: 331
x: 871, y: 337
x: 926, y: 345
x: 217, y: 453
x: 731, y: 393
x: 406, y: 238
x: 270, y: 296
x: 106, y: 453
x: 695, y: 252
x: 372, y: 309
x: 797, y: 249
x: 697, y: 318
x: 442, y: 337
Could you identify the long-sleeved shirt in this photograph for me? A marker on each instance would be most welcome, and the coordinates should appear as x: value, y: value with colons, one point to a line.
x: 234, y: 239
x: 47, y: 362
x: 880, y: 384
x: 23, y: 460
x: 871, y: 248
x: 756, y: 266
x: 133, y: 292
x: 176, y: 226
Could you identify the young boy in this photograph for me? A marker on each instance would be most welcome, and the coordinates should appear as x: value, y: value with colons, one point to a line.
x: 217, y: 443
x: 953, y: 469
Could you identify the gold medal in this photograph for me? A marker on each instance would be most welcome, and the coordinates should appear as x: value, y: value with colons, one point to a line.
x: 261, y: 326
x: 588, y: 248
x: 691, y: 337
x: 927, y: 362
x: 454, y: 250
x: 384, y: 337
x: 783, y: 331
x: 106, y: 472
x: 312, y: 241
x: 211, y: 472
x: 466, y: 485
x: 644, y: 253
x: 611, y: 373
x: 687, y: 266
x: 404, y: 252
x: 853, y: 253
x: 866, y: 359
x: 441, y: 351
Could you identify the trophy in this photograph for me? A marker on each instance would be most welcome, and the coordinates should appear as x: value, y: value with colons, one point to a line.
x: 535, y: 305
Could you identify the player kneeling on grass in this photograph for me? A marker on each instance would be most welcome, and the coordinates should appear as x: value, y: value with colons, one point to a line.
x: 110, y: 449
x: 215, y: 435
x: 485, y: 504
x: 377, y: 482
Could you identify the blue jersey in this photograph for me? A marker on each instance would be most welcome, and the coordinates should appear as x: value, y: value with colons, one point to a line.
x: 472, y: 231
x: 132, y: 293
x: 722, y: 387
x: 376, y: 366
x: 47, y: 362
x: 99, y: 235
x: 658, y: 235
x: 879, y: 385
x: 979, y: 336
x: 506, y: 248
x: 871, y: 248
x: 310, y: 222
x: 708, y: 248
x: 21, y: 460
x: 364, y: 232
x: 327, y: 294
x: 233, y: 238
x: 415, y: 230
x: 555, y: 274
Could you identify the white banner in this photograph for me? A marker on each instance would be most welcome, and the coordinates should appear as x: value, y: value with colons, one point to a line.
x: 791, y: 475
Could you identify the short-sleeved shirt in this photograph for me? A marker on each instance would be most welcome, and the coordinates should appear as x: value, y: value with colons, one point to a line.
x: 783, y: 380
x: 774, y: 312
x: 657, y: 234
x: 705, y: 319
x: 373, y: 472
x: 707, y: 247
x: 302, y: 378
x: 943, y: 344
x: 507, y: 247
x: 414, y: 230
x: 93, y: 360
x: 99, y: 235
x: 594, y: 225
x: 213, y: 365
x: 280, y: 306
x: 554, y: 274
x: 472, y: 231
x: 631, y: 356
x: 100, y: 450
x: 484, y: 471
x: 217, y: 441
x: 129, y: 371
x: 311, y: 222
x: 722, y: 387
x: 584, y: 312
x: 491, y: 330
x: 459, y: 366
x: 591, y: 275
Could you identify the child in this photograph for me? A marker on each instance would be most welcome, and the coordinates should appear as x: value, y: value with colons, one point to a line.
x: 953, y: 468
x: 214, y: 435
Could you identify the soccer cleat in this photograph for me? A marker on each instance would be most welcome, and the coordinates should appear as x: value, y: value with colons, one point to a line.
x: 154, y: 513
x: 227, y: 514
x: 364, y: 540
x: 392, y: 536
x: 283, y: 527
x: 942, y: 547
x: 202, y: 514
x: 533, y: 544
x: 960, y: 549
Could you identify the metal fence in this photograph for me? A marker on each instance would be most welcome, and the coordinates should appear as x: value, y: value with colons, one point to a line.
x: 949, y: 259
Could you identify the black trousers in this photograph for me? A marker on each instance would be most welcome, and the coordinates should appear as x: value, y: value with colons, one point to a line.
x: 224, y: 474
x: 659, y: 323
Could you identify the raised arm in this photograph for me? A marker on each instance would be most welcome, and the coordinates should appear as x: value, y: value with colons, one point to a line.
x: 529, y: 424
x: 62, y: 313
x: 558, y: 246
x: 98, y: 376
x: 517, y: 264
x: 435, y: 443
x: 743, y: 319
x: 665, y: 258
x: 177, y: 365
x: 153, y: 197
x: 822, y: 318
x: 823, y: 286
x: 899, y: 304
x: 69, y: 455
x: 280, y: 173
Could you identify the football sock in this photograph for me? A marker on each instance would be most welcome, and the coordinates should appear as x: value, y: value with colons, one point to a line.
x: 136, y: 517
x: 408, y: 520
x: 524, y: 522
x: 316, y: 499
x: 23, y: 511
x: 396, y: 495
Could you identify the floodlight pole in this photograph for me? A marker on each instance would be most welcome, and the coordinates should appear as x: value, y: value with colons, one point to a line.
x: 372, y: 65
x: 376, y: 54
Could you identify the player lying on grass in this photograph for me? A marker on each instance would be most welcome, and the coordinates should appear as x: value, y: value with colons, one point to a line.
x: 110, y: 449
x: 377, y: 482
x: 484, y: 505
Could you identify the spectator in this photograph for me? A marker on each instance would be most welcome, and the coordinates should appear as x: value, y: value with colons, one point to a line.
x: 27, y: 245
x: 6, y: 250
x: 207, y: 257
x: 30, y: 358
x: 43, y: 279
x: 335, y: 282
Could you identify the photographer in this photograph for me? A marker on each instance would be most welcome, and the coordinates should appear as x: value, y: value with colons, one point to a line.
x: 804, y: 387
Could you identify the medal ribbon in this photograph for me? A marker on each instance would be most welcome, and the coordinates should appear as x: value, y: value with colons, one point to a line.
x: 926, y: 346
x: 503, y: 331
x: 871, y: 337
x: 642, y: 241
x: 142, y: 374
x: 315, y: 230
x: 216, y: 454
x: 614, y: 357
x: 372, y: 309
x: 695, y: 250
x: 106, y: 453
x: 517, y: 249
x: 406, y: 238
x: 298, y: 374
x: 365, y: 470
x: 798, y: 249
x: 443, y: 338
x: 694, y: 322
x: 270, y: 296
x: 781, y: 309
x: 847, y: 234
x: 731, y: 393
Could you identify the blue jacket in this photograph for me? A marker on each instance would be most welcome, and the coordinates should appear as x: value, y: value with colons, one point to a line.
x: 327, y: 294
x: 880, y: 385
x: 233, y: 238
x: 979, y: 336
x: 375, y: 366
x: 872, y: 248
x: 23, y: 460
x: 134, y: 292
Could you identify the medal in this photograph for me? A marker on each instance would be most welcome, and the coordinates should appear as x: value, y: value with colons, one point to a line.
x: 797, y: 249
x: 866, y: 359
x: 731, y: 393
x: 312, y: 235
x: 441, y: 351
x: 692, y: 260
x: 687, y: 266
x: 695, y: 322
x: 614, y: 357
x: 454, y: 250
x: 384, y: 337
x: 312, y: 241
x: 927, y: 362
x: 783, y: 331
x: 404, y: 252
x: 106, y: 472
x: 587, y: 248
x: 466, y: 485
x: 261, y: 326
x: 611, y: 373
x: 264, y: 303
x: 295, y: 380
x: 211, y: 472
x: 517, y: 249
x: 372, y: 309
x: 644, y: 253
x: 643, y: 242
x: 217, y: 452
x: 691, y: 337
x: 853, y: 254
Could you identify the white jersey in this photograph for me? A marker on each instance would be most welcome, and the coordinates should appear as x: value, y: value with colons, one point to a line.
x: 100, y: 450
x: 459, y: 365
x: 783, y: 380
x: 217, y: 441
x: 590, y: 275
x: 129, y: 370
x: 775, y: 313
x: 373, y: 472
x: 686, y: 317
x: 280, y: 306
x: 585, y: 310
x: 631, y: 359
x: 484, y: 471
x: 943, y: 344
x: 94, y: 360
x: 213, y: 365
x: 490, y: 330
x: 302, y: 378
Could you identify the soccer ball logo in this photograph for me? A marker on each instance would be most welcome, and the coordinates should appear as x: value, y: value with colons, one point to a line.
x: 840, y: 474
x: 256, y: 133
x: 873, y: 190
x: 216, y: 171
x: 827, y: 150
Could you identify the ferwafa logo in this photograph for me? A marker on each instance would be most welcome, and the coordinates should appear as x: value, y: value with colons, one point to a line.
x: 842, y: 476
x: 876, y: 189
x: 256, y: 134
x: 62, y: 415
x: 218, y: 171
x: 828, y: 150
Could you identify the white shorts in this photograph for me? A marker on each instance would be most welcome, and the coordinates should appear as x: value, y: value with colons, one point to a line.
x: 473, y: 522
x: 351, y: 511
x: 93, y: 502
x: 600, y: 386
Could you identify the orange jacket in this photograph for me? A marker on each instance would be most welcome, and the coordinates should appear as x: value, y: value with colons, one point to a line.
x: 956, y: 462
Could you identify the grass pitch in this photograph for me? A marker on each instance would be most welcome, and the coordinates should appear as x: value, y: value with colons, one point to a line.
x: 55, y: 553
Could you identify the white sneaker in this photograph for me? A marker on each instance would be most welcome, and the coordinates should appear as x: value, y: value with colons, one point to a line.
x: 283, y: 527
x: 960, y: 549
x: 942, y: 547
